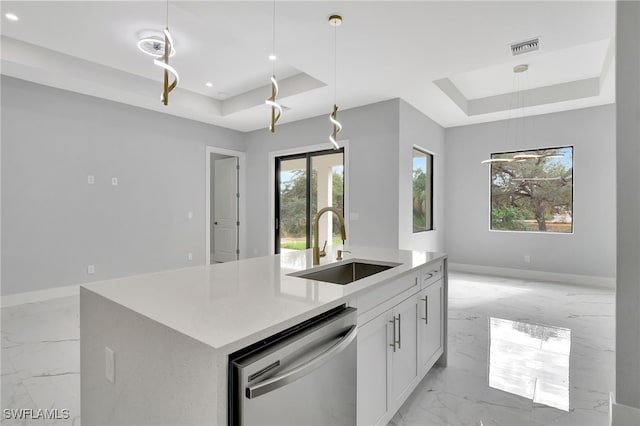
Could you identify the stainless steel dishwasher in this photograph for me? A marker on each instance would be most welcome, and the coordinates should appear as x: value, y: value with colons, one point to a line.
x: 304, y: 376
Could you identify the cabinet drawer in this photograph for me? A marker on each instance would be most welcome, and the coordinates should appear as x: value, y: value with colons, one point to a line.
x: 432, y: 273
x: 382, y: 297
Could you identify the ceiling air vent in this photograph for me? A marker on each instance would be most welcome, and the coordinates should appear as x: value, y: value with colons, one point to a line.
x: 525, y: 46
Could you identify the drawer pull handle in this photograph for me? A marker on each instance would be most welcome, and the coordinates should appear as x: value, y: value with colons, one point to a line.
x: 426, y: 309
x: 399, y: 332
x: 394, y: 333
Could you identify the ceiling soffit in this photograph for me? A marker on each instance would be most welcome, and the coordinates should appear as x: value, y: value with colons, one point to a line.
x: 599, y: 54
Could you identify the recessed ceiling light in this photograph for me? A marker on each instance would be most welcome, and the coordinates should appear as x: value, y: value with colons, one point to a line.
x: 11, y: 16
x: 209, y: 84
x: 272, y: 57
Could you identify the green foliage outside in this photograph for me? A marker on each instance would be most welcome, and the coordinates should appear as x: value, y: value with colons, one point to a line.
x: 507, y: 218
x: 293, y: 217
x: 535, y: 194
x: 302, y: 244
x: 419, y: 200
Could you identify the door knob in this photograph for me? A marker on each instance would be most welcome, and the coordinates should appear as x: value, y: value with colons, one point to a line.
x: 215, y: 223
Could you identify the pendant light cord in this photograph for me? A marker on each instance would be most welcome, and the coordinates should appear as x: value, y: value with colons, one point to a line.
x: 167, y: 14
x: 335, y: 63
x: 273, y: 39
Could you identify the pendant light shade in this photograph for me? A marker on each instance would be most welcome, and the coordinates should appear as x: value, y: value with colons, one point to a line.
x: 162, y: 51
x: 276, y: 109
x: 168, y: 69
x: 337, y: 127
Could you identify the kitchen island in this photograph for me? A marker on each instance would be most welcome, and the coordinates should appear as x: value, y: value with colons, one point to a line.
x: 155, y: 347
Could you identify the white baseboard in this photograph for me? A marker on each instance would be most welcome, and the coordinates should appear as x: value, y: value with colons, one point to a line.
x: 586, y: 280
x: 622, y: 415
x: 40, y: 295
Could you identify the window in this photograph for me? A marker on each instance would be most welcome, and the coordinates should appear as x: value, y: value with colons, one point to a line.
x: 306, y: 183
x: 533, y: 190
x: 422, y: 191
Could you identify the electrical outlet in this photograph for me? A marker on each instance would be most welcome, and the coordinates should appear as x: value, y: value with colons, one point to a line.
x: 190, y: 256
x: 91, y: 179
x: 109, y: 364
x: 354, y: 216
x: 527, y: 258
x: 114, y: 181
x: 91, y: 269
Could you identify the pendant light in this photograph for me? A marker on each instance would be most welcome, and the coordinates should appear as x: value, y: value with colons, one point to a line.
x: 519, y: 70
x: 335, y: 21
x: 163, y: 63
x: 276, y: 109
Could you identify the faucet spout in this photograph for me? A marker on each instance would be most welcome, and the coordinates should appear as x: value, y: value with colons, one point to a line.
x: 316, y: 219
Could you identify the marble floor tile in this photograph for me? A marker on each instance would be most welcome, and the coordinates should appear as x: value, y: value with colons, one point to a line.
x: 556, y: 350
x: 41, y: 361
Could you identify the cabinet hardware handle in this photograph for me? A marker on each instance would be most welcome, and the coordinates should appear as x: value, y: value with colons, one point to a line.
x: 430, y: 275
x: 394, y: 333
x: 426, y: 309
x: 399, y: 332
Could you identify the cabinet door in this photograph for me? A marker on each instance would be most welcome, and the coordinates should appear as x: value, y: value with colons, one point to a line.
x: 405, y: 357
x: 374, y: 366
x: 430, y: 323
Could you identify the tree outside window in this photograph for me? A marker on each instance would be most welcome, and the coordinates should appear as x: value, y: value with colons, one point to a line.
x: 533, y: 190
x: 422, y: 191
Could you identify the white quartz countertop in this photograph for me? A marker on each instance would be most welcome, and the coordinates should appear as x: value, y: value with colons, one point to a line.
x: 230, y: 305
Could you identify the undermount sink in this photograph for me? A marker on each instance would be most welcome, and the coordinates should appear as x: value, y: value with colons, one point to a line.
x: 346, y: 272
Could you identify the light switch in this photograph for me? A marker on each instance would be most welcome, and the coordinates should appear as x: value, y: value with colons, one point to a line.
x: 114, y: 181
x: 190, y: 256
x: 91, y: 179
x: 354, y: 216
x: 190, y: 215
x: 91, y: 269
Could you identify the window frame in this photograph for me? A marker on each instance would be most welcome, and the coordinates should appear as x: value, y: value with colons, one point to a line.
x: 307, y: 156
x: 429, y: 174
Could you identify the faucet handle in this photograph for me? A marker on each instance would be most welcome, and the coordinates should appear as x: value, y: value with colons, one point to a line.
x: 323, y: 252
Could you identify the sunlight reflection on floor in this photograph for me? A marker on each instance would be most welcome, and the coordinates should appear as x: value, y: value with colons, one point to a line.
x: 530, y: 360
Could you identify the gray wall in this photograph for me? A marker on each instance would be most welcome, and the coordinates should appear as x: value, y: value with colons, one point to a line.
x: 372, y: 172
x: 418, y: 129
x: 628, y: 179
x: 591, y: 250
x: 54, y: 224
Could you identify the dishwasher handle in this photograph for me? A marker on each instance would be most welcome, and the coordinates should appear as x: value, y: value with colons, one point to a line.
x: 302, y: 370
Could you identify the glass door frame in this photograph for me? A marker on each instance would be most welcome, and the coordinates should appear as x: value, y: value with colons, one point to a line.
x: 309, y: 173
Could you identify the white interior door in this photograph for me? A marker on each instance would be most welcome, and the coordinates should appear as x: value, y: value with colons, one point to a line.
x: 225, y: 210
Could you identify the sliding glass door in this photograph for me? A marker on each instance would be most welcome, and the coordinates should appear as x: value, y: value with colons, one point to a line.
x: 306, y: 183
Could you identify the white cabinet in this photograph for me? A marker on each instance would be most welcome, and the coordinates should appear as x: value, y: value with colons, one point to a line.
x: 374, y: 370
x: 387, y: 362
x: 430, y: 325
x: 404, y: 358
x: 400, y: 337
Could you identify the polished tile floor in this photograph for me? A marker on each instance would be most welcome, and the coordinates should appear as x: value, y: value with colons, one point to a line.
x: 520, y: 353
